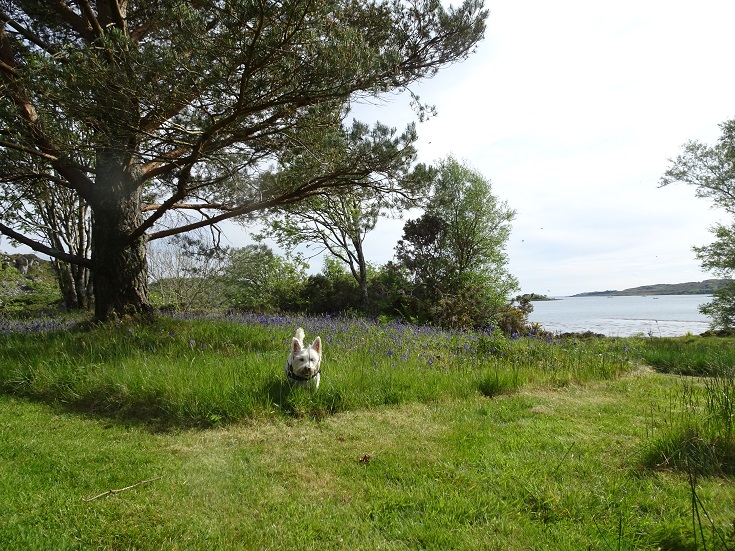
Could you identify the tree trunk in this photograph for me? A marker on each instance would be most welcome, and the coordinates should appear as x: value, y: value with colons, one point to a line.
x: 119, y: 271
x: 364, y: 295
x: 66, y: 284
x: 67, y: 228
x: 361, y: 274
x: 75, y: 283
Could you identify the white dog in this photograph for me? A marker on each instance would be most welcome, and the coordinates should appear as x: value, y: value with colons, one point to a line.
x: 302, y: 366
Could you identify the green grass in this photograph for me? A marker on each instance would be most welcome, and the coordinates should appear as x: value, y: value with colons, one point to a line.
x: 205, y: 372
x: 417, y: 439
x: 546, y: 469
x: 691, y: 355
x: 697, y: 435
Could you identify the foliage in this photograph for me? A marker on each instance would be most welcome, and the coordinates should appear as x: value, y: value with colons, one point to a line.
x: 257, y: 280
x: 167, y: 117
x: 391, y: 293
x: 339, y: 221
x: 455, y: 252
x: 719, y: 257
x: 722, y: 309
x: 332, y: 291
x: 514, y: 319
x: 59, y: 219
x: 711, y: 170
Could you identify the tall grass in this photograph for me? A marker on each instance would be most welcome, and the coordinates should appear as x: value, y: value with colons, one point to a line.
x: 694, y: 433
x: 699, y: 356
x: 184, y: 369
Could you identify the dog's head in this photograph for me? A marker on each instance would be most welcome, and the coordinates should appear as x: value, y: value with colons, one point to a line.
x: 304, y: 360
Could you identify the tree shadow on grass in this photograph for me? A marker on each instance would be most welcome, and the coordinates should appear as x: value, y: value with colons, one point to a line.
x: 154, y: 410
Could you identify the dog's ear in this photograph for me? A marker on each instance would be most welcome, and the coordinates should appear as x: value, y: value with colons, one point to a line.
x: 317, y: 344
x: 295, y: 345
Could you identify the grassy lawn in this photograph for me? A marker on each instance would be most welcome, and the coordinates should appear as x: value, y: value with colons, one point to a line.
x: 509, y: 445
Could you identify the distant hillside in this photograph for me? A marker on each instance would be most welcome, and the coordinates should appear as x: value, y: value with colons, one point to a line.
x: 705, y: 287
x: 26, y: 283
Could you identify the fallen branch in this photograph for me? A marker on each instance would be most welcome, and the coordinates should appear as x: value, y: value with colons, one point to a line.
x: 109, y: 492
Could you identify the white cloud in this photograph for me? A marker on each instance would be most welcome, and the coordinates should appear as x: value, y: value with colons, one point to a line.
x: 572, y: 110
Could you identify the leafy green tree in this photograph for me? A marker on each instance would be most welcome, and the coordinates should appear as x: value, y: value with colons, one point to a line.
x: 420, y: 251
x: 339, y: 222
x: 719, y: 258
x: 258, y: 280
x: 711, y: 170
x: 391, y: 293
x: 61, y: 220
x: 165, y: 117
x: 333, y: 290
x: 455, y: 252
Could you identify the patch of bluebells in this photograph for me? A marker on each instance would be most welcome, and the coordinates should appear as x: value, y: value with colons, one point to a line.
x: 40, y: 324
x: 394, y: 339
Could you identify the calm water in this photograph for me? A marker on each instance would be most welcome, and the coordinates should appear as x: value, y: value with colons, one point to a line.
x: 661, y: 316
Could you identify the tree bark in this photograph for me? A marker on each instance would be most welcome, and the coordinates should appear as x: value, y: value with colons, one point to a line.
x: 359, y: 272
x: 75, y: 283
x: 119, y: 270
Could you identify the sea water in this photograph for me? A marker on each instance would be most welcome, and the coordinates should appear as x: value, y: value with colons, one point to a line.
x: 659, y: 316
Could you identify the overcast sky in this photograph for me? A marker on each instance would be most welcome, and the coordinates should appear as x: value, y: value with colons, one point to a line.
x: 572, y: 109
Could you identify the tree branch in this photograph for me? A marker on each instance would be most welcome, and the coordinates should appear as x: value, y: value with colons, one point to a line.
x: 8, y: 69
x: 110, y: 492
x: 29, y: 150
x: 162, y: 165
x: 41, y: 248
x: 115, y: 12
x: 91, y: 17
x: 28, y: 35
x: 187, y: 206
x: 20, y: 97
x: 72, y: 19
